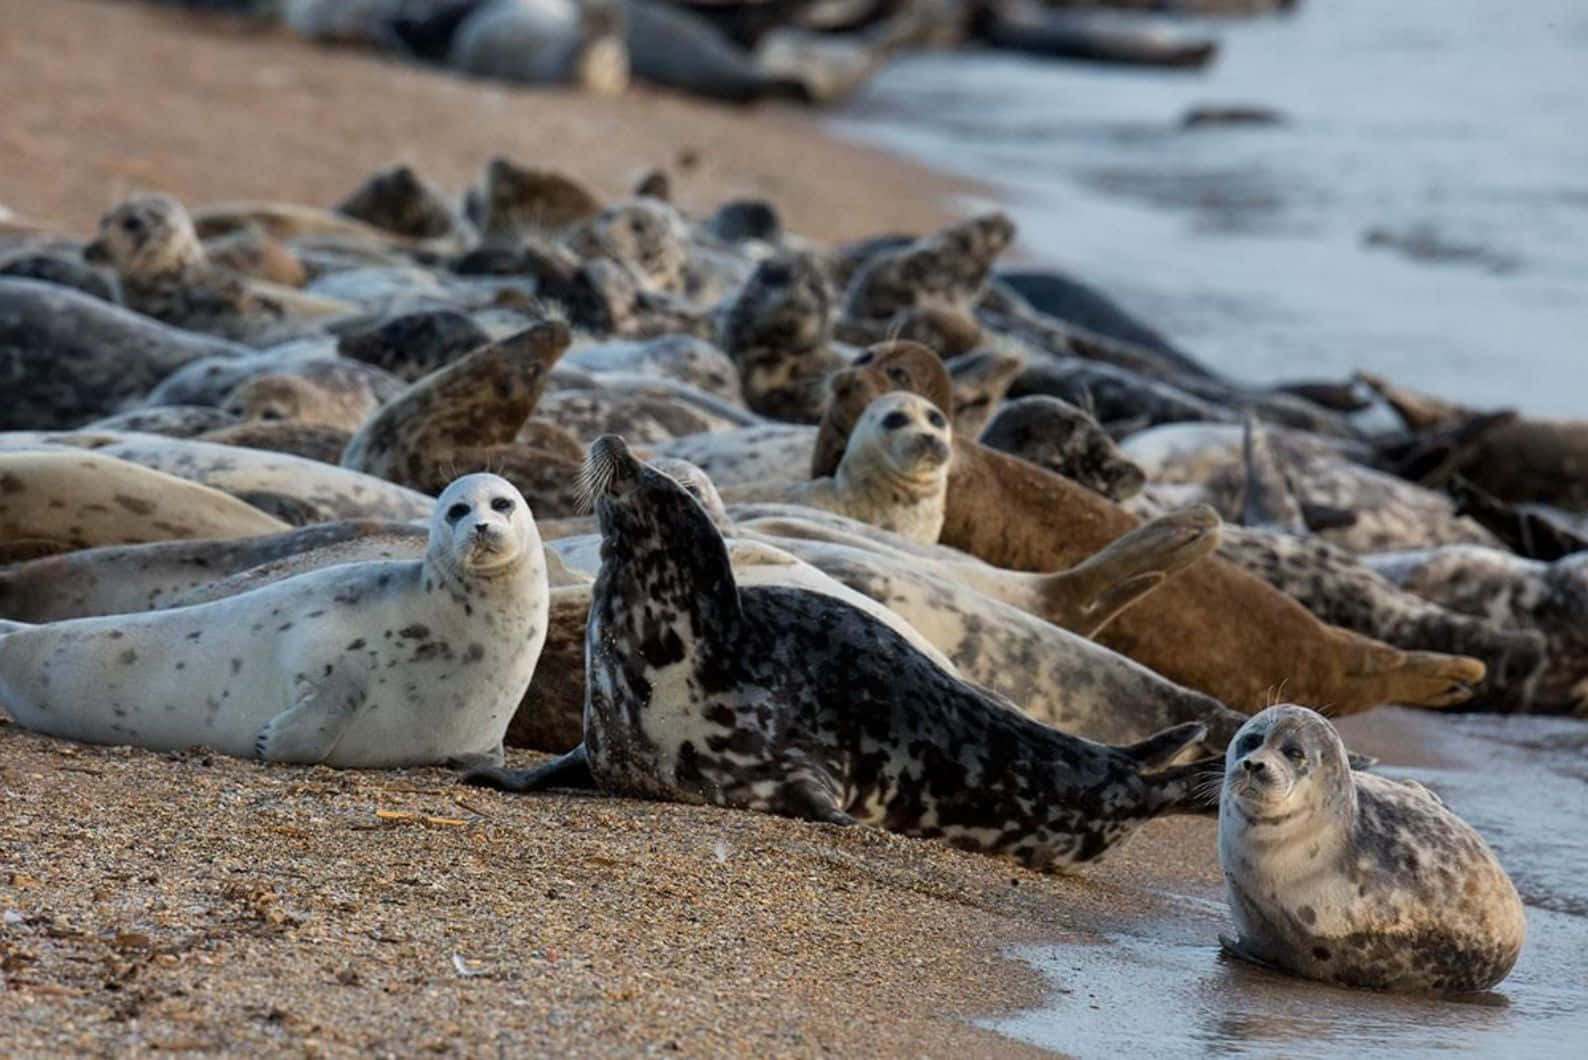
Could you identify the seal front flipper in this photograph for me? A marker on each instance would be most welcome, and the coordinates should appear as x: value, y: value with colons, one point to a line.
x: 1240, y: 951
x: 571, y: 770
x: 813, y: 800
x: 323, y: 708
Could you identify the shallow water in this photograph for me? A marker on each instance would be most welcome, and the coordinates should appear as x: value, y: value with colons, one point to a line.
x: 1162, y: 989
x: 1423, y: 212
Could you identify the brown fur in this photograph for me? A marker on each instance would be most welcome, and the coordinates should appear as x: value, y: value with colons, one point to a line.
x: 314, y: 441
x: 1213, y: 628
x: 428, y: 432
x: 551, y: 714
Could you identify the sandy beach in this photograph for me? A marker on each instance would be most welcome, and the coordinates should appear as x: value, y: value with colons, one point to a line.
x: 193, y: 903
x: 197, y: 903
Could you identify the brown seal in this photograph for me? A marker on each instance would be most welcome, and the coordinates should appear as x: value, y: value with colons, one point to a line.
x: 1214, y: 628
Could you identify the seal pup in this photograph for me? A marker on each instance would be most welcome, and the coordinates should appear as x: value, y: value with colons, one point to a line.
x: 787, y: 702
x: 894, y: 471
x: 163, y: 272
x: 1354, y: 879
x: 365, y: 665
x: 1249, y: 638
x: 397, y: 199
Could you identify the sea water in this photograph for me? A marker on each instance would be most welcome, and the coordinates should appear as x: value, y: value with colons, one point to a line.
x: 1421, y: 212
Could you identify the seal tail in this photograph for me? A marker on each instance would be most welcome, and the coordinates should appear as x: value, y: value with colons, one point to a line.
x: 1162, y: 746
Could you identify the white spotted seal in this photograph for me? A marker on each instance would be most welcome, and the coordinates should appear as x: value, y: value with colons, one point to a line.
x: 1351, y: 878
x: 366, y: 665
x: 789, y: 702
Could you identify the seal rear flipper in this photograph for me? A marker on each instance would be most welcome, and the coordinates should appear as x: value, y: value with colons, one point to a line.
x: 571, y: 770
x: 1267, y: 499
x: 1238, y: 949
x: 1092, y: 593
x: 323, y: 708
x: 1162, y: 746
x: 1417, y: 678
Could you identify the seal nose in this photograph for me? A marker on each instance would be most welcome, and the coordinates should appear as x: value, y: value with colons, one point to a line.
x: 1254, y: 767
x: 481, y: 529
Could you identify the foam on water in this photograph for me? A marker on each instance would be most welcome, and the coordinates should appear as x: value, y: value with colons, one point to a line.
x: 1423, y: 212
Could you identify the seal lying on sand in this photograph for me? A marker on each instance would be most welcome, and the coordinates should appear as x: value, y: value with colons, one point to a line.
x: 1351, y: 878
x: 788, y: 702
x: 367, y: 665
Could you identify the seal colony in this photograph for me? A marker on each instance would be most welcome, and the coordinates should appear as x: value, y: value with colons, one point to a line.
x: 859, y: 559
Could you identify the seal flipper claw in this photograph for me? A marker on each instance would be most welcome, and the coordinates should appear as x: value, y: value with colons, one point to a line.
x: 1240, y: 951
x: 571, y: 770
x: 322, y: 710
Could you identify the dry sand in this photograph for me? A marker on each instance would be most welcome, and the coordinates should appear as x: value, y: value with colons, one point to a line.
x: 100, y: 99
x: 174, y: 903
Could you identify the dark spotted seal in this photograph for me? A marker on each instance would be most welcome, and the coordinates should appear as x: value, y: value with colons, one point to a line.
x: 787, y: 702
x: 1351, y: 878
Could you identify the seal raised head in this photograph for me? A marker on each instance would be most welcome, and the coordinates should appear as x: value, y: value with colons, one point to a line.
x: 365, y: 665
x: 1352, y: 878
x: 895, y: 469
x: 786, y: 701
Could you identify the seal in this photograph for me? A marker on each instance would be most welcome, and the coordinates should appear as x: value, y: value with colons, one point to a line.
x: 84, y: 499
x: 894, y: 471
x: 1498, y: 588
x: 173, y: 421
x: 1060, y: 437
x: 675, y: 48
x: 311, y: 441
x: 331, y: 393
x: 787, y: 702
x: 163, y: 272
x: 1249, y: 639
x: 398, y: 200
x: 775, y: 452
x: 69, y: 358
x: 459, y: 416
x: 682, y: 358
x: 365, y: 665
x: 947, y: 269
x: 778, y: 331
x: 981, y: 381
x: 1351, y: 878
x: 545, y: 42
x: 412, y: 345
x: 512, y: 202
x: 122, y: 579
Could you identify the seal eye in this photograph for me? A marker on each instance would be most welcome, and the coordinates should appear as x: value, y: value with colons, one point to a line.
x: 894, y: 420
x: 502, y: 504
x: 936, y: 419
x: 864, y: 358
x: 132, y: 224
x: 1248, y: 743
x: 899, y: 375
x: 1294, y: 753
x: 271, y: 414
x: 456, y: 512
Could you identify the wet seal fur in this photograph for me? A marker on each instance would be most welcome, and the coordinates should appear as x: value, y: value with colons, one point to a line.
x: 366, y: 665
x: 788, y: 702
x: 1351, y: 878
